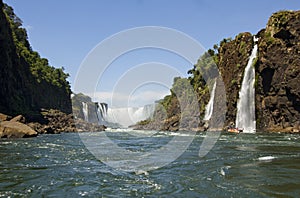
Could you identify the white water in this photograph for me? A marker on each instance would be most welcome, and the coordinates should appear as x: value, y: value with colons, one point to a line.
x: 210, y: 105
x: 245, y: 117
x: 101, y: 112
x: 129, y: 116
x: 85, y: 111
x: 103, y: 109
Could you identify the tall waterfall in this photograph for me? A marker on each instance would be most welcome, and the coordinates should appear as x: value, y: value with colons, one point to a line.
x: 85, y: 110
x: 245, y: 117
x: 129, y: 116
x: 210, y: 105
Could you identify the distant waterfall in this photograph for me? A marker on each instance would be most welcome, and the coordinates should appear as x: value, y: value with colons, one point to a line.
x: 103, y: 109
x: 101, y: 112
x: 210, y: 105
x: 129, y: 116
x: 245, y: 117
x: 85, y: 110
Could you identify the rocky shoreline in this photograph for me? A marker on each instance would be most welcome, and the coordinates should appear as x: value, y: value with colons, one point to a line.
x: 54, y: 122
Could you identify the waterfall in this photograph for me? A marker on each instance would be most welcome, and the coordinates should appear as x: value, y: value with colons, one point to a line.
x: 101, y: 112
x: 129, y: 116
x: 103, y: 109
x: 245, y: 117
x: 85, y: 111
x: 210, y: 105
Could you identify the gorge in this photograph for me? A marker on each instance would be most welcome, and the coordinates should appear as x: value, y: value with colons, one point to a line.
x: 270, y: 65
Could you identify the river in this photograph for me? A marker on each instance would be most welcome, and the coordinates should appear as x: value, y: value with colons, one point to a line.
x: 239, y: 165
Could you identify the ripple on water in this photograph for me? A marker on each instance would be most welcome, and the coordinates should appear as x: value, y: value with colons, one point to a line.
x: 254, y: 165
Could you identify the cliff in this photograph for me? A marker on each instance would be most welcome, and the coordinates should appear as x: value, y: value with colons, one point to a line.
x: 28, y: 83
x: 277, y: 74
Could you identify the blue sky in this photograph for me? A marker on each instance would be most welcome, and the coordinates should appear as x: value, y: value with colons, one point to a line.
x: 65, y: 31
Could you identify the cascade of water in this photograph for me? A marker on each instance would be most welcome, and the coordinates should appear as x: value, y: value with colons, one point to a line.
x: 245, y: 117
x: 210, y: 105
x: 85, y: 111
x: 101, y: 112
x: 129, y: 116
x: 103, y: 109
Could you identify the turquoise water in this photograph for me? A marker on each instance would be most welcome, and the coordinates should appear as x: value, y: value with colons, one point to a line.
x: 242, y: 165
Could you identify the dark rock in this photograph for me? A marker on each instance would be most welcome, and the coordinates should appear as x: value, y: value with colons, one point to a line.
x: 21, y: 92
x: 59, y: 122
x: 233, y: 58
x: 278, y: 73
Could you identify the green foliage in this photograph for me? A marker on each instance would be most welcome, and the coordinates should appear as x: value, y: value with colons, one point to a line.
x: 165, y: 102
x: 279, y: 19
x: 144, y: 122
x: 243, y: 48
x: 205, y: 69
x: 256, y: 82
x: 254, y: 61
x: 193, y: 87
x: 269, y: 38
x: 225, y: 40
x: 39, y: 67
x: 233, y: 81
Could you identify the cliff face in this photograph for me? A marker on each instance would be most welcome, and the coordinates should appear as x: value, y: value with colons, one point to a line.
x: 277, y: 67
x: 278, y: 73
x: 25, y: 87
x: 11, y: 80
x: 233, y: 58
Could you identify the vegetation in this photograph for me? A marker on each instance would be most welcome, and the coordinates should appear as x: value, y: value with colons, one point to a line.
x: 39, y: 67
x: 269, y: 38
x: 144, y: 122
x: 195, y: 86
x: 279, y: 19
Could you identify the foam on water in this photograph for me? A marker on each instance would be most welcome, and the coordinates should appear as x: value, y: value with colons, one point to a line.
x: 266, y: 158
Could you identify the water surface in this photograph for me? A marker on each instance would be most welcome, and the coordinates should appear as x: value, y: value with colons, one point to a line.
x: 243, y: 165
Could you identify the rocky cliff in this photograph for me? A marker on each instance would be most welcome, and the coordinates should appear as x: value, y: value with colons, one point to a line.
x: 233, y: 57
x: 277, y: 67
x: 28, y: 83
x: 278, y: 73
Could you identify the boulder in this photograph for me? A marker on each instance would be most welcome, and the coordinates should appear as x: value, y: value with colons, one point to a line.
x: 12, y: 129
x: 4, y: 117
x: 19, y: 118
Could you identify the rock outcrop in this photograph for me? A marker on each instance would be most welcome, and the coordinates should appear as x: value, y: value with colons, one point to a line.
x: 58, y: 122
x: 13, y: 129
x: 278, y: 73
x: 55, y: 122
x: 277, y: 67
x: 233, y: 58
x: 28, y: 83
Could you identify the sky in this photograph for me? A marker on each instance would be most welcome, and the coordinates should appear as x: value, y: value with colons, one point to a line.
x: 66, y: 32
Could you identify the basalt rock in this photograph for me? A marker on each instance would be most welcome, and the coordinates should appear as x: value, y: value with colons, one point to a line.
x: 233, y: 58
x: 278, y: 73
